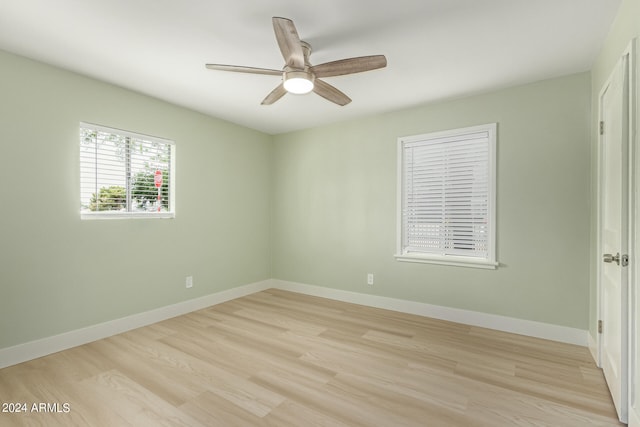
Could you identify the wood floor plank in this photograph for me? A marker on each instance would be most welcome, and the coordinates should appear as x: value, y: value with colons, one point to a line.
x: 290, y: 413
x: 166, y: 382
x: 134, y: 403
x: 277, y: 358
x: 204, y: 375
x: 211, y: 409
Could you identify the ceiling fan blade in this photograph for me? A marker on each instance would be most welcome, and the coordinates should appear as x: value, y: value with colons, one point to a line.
x: 330, y: 93
x: 241, y: 69
x: 275, y: 94
x: 350, y: 66
x: 289, y: 42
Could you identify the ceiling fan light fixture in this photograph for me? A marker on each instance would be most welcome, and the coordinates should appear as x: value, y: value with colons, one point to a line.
x: 298, y: 82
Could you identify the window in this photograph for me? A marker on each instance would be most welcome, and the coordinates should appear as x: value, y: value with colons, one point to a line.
x: 125, y: 175
x: 446, y: 198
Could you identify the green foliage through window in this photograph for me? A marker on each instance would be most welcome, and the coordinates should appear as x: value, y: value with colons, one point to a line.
x: 113, y: 198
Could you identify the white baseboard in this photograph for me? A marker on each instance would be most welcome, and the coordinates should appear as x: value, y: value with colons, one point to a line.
x: 474, y: 318
x: 42, y: 347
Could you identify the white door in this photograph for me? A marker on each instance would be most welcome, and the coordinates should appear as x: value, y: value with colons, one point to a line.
x: 613, y: 235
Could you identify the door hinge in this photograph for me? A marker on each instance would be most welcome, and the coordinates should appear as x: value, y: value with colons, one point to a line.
x: 599, y: 326
x: 601, y: 127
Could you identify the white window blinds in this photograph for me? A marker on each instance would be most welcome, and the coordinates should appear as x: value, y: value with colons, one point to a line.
x: 447, y: 194
x: 124, y: 174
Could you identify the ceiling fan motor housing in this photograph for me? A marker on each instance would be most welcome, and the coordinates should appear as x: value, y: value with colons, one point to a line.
x: 298, y: 81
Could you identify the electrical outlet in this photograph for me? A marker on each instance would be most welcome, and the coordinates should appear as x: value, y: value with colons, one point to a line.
x: 370, y: 279
x: 189, y: 282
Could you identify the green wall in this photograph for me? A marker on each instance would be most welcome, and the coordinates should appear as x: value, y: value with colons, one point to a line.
x: 334, y: 205
x: 58, y: 273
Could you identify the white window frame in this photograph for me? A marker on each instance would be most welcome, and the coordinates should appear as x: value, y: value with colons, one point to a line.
x: 402, y: 253
x: 127, y: 215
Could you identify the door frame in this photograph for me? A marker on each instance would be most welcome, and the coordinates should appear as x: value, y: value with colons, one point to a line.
x: 632, y: 237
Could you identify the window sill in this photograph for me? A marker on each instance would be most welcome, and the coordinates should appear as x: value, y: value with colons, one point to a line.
x: 127, y: 215
x: 448, y: 260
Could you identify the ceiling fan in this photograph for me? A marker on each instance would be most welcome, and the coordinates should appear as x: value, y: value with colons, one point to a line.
x: 298, y: 75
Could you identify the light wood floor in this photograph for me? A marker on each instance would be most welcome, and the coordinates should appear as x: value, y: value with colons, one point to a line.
x: 277, y: 358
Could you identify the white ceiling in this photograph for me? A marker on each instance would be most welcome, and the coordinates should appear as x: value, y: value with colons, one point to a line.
x: 436, y: 49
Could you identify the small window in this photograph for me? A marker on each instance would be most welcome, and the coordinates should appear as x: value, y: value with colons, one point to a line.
x: 125, y: 175
x: 446, y: 197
